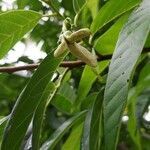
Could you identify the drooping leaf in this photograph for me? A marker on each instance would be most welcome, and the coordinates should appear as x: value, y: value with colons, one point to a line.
x: 92, y: 134
x: 73, y: 141
x: 56, y: 136
x: 27, y: 103
x: 39, y: 115
x: 127, y: 52
x: 46, y: 98
x: 13, y: 26
x: 110, y: 11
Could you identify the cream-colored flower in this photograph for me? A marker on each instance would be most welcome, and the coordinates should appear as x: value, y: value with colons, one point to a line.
x: 69, y: 41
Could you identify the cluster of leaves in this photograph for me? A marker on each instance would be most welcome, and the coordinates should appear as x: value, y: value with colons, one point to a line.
x: 81, y: 108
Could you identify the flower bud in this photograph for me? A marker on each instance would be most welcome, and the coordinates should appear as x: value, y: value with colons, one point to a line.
x: 78, y: 35
x: 83, y: 54
x: 60, y: 49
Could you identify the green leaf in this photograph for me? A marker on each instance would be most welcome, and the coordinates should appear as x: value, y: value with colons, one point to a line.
x: 56, y: 136
x: 106, y: 43
x: 147, y: 44
x: 62, y: 103
x: 93, y: 126
x: 73, y: 141
x: 22, y: 3
x: 136, y: 105
x: 110, y: 11
x: 13, y: 26
x: 93, y: 6
x: 39, y: 114
x: 3, y: 121
x: 77, y: 5
x: 27, y: 103
x: 86, y: 84
x: 132, y: 123
x: 46, y: 98
x: 89, y: 100
x: 128, y: 49
x: 64, y: 98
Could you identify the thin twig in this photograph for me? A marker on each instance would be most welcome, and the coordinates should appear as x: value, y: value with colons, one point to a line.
x: 66, y: 64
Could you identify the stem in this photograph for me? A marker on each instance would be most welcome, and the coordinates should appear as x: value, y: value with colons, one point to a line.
x: 65, y: 64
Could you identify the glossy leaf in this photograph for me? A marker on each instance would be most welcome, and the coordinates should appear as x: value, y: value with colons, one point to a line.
x: 110, y: 11
x: 56, y: 136
x: 13, y: 26
x: 128, y: 49
x: 27, y: 103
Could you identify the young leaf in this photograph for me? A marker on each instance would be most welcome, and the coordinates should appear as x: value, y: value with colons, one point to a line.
x: 56, y: 136
x: 27, y: 103
x: 110, y: 11
x: 13, y: 26
x: 127, y: 52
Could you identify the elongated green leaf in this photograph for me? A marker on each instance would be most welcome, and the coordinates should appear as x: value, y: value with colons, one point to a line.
x: 2, y: 126
x: 77, y: 5
x: 54, y: 139
x: 62, y: 103
x: 86, y: 84
x: 64, y: 98
x: 127, y: 52
x: 106, y: 43
x: 132, y: 124
x: 73, y: 142
x: 110, y: 11
x: 93, y: 6
x: 39, y: 114
x: 13, y: 26
x: 46, y: 98
x: 89, y: 101
x: 27, y: 103
x: 134, y: 99
x: 93, y: 126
